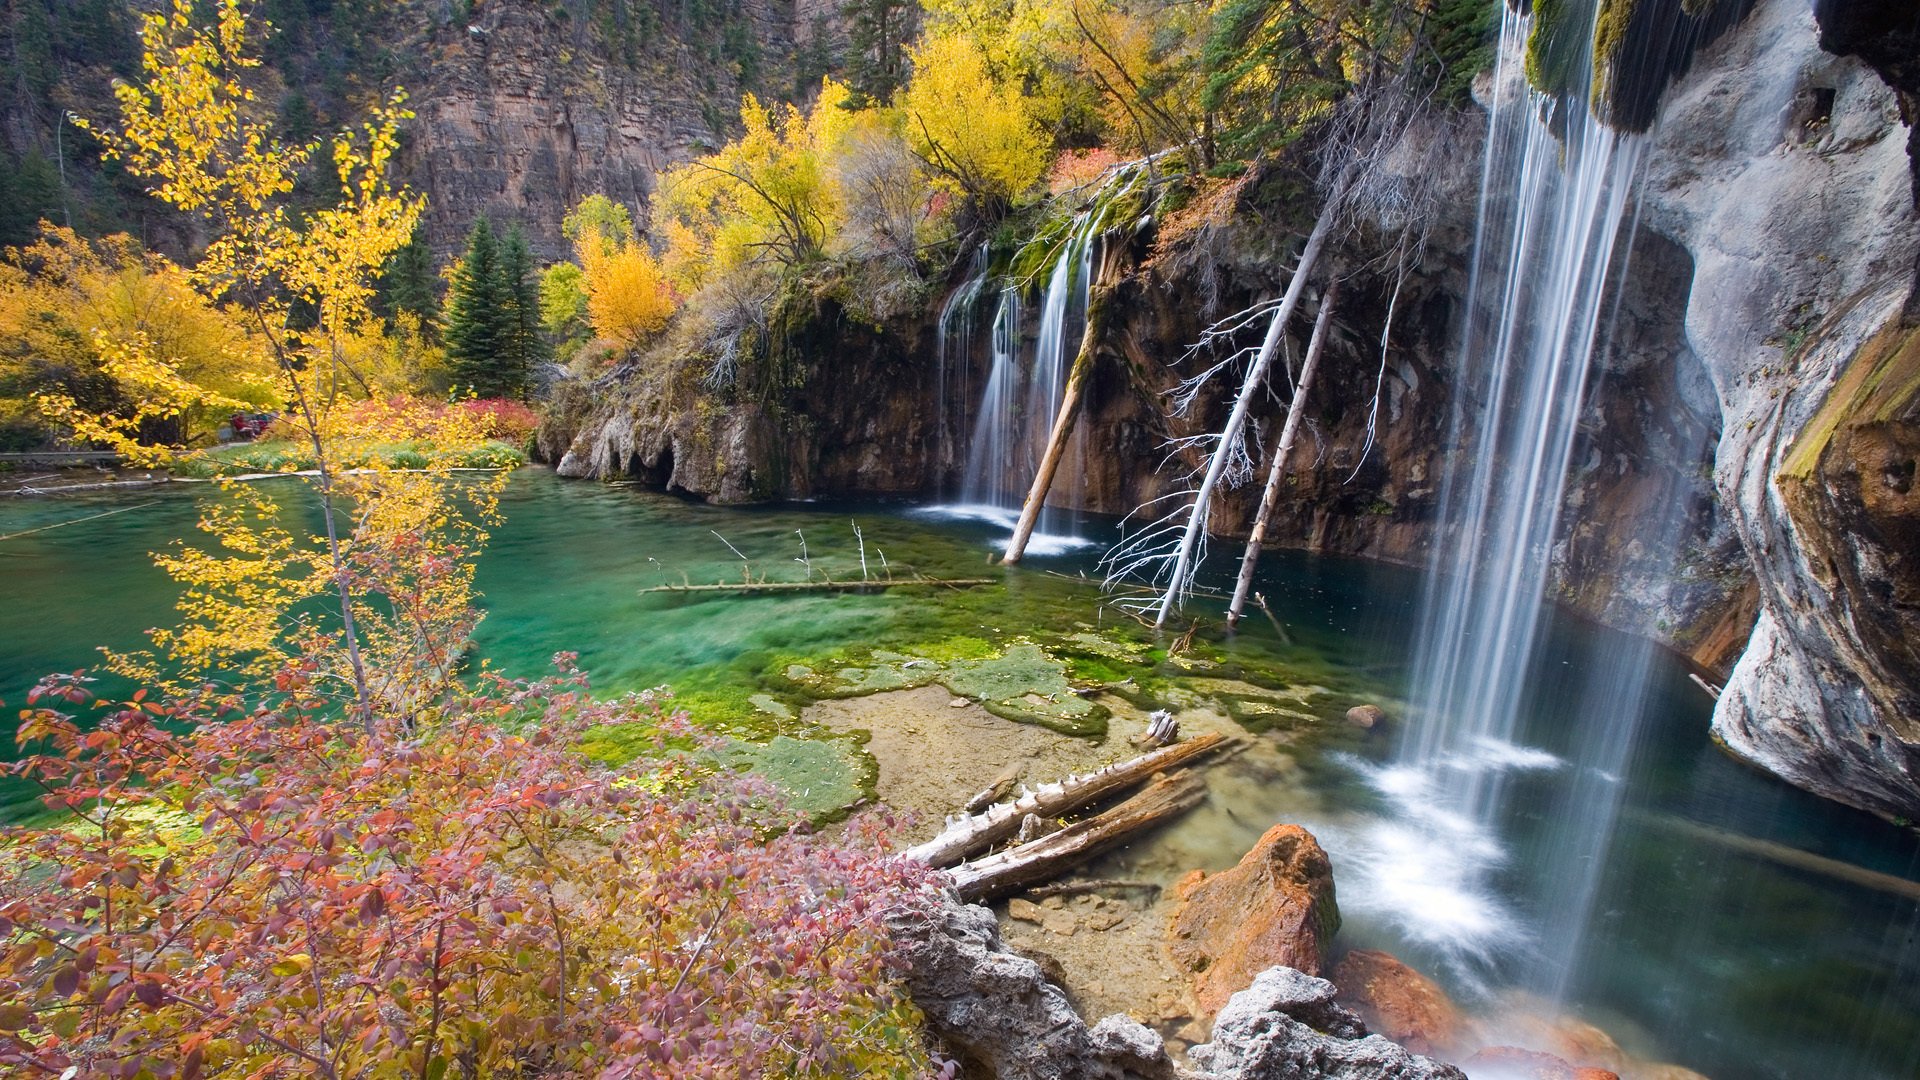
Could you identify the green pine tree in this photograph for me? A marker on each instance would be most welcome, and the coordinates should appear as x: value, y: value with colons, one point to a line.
x: 525, y: 350
x: 877, y: 33
x: 475, y: 332
x: 409, y: 284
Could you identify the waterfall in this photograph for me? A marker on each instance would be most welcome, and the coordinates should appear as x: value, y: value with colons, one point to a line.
x: 1556, y: 186
x: 1016, y: 410
x: 953, y: 357
x: 990, y: 451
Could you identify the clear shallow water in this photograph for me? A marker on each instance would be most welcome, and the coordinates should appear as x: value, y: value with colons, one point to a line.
x: 1705, y: 949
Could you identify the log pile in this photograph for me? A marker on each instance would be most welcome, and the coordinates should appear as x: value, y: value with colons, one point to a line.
x: 1168, y: 792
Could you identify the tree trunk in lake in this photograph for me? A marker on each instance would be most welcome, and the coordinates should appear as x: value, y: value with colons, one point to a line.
x: 1271, y: 497
x: 1070, y: 400
x: 1256, y: 377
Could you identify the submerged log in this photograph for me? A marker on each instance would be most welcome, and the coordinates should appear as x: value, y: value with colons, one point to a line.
x: 1051, y: 855
x: 969, y: 835
x: 822, y: 586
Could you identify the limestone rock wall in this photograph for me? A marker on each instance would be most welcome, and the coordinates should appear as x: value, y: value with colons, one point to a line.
x: 1782, y: 170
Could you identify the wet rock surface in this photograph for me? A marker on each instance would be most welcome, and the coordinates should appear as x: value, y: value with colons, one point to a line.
x: 1276, y: 907
x: 1399, y: 1002
x: 1513, y: 1063
x: 1782, y: 170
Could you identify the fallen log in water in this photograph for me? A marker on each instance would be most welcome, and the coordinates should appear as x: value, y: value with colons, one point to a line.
x: 1051, y: 855
x: 823, y: 586
x: 971, y: 834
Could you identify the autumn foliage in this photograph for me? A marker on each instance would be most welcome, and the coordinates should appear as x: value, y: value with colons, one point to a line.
x: 268, y: 892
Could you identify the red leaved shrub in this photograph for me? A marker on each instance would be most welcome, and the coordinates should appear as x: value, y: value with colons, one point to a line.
x: 267, y: 893
x: 505, y: 419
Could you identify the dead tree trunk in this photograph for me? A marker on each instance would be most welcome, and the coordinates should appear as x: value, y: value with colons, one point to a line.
x: 1051, y: 855
x: 969, y: 835
x: 1070, y: 400
x: 1277, y: 471
x: 1249, y: 389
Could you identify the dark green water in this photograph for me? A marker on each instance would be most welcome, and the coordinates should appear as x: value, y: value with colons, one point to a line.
x: 1700, y: 951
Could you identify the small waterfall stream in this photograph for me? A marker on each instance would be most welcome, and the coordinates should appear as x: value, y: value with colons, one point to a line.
x: 953, y: 357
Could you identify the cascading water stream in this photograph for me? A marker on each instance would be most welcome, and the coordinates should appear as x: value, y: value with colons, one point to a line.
x: 953, y: 356
x: 1555, y: 188
x: 990, y: 451
x: 1017, y: 407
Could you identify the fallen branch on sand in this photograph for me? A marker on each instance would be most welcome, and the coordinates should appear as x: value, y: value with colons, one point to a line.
x: 997, y: 875
x: 969, y: 835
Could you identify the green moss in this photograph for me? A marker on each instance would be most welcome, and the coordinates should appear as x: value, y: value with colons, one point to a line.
x: 1881, y: 380
x: 1556, y: 44
x: 1029, y: 686
x: 820, y: 777
x: 1609, y: 38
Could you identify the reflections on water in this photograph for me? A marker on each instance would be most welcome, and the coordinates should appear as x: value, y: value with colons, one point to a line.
x: 1712, y: 944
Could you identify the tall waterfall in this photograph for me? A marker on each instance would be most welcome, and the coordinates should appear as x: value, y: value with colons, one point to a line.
x: 1556, y: 188
x: 1016, y: 409
x: 990, y: 452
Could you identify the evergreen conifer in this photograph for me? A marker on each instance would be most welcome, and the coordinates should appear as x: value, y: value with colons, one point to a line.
x: 408, y: 284
x: 520, y: 329
x: 475, y: 330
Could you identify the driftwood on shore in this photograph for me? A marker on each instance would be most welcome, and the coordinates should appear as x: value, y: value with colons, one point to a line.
x: 969, y: 835
x: 1051, y: 855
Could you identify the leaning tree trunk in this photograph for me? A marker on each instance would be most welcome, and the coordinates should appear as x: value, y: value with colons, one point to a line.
x: 1256, y: 377
x: 1070, y: 400
x: 1271, y: 497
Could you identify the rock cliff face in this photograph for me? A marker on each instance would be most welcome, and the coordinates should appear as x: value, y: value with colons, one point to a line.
x: 530, y: 107
x: 1781, y: 169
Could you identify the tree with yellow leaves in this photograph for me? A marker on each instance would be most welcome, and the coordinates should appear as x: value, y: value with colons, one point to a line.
x: 112, y: 344
x: 977, y: 132
x: 626, y: 294
x: 394, y: 544
x: 766, y: 197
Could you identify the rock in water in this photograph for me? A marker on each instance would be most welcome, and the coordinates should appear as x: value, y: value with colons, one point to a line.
x: 1398, y: 1002
x: 1286, y: 1026
x: 1367, y: 717
x: 1275, y: 908
x: 1001, y: 1016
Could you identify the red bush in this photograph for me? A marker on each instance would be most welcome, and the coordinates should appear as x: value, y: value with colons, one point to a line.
x: 503, y: 418
x: 471, y: 897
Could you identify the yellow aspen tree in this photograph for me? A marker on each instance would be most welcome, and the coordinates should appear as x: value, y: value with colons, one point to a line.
x: 391, y: 554
x: 975, y: 131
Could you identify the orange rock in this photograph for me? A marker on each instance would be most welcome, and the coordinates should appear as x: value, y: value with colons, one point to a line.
x: 1275, y: 908
x: 1513, y: 1063
x: 1399, y: 1002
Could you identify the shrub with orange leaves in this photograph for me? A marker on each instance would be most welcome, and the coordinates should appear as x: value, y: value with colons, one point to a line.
x: 1079, y: 168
